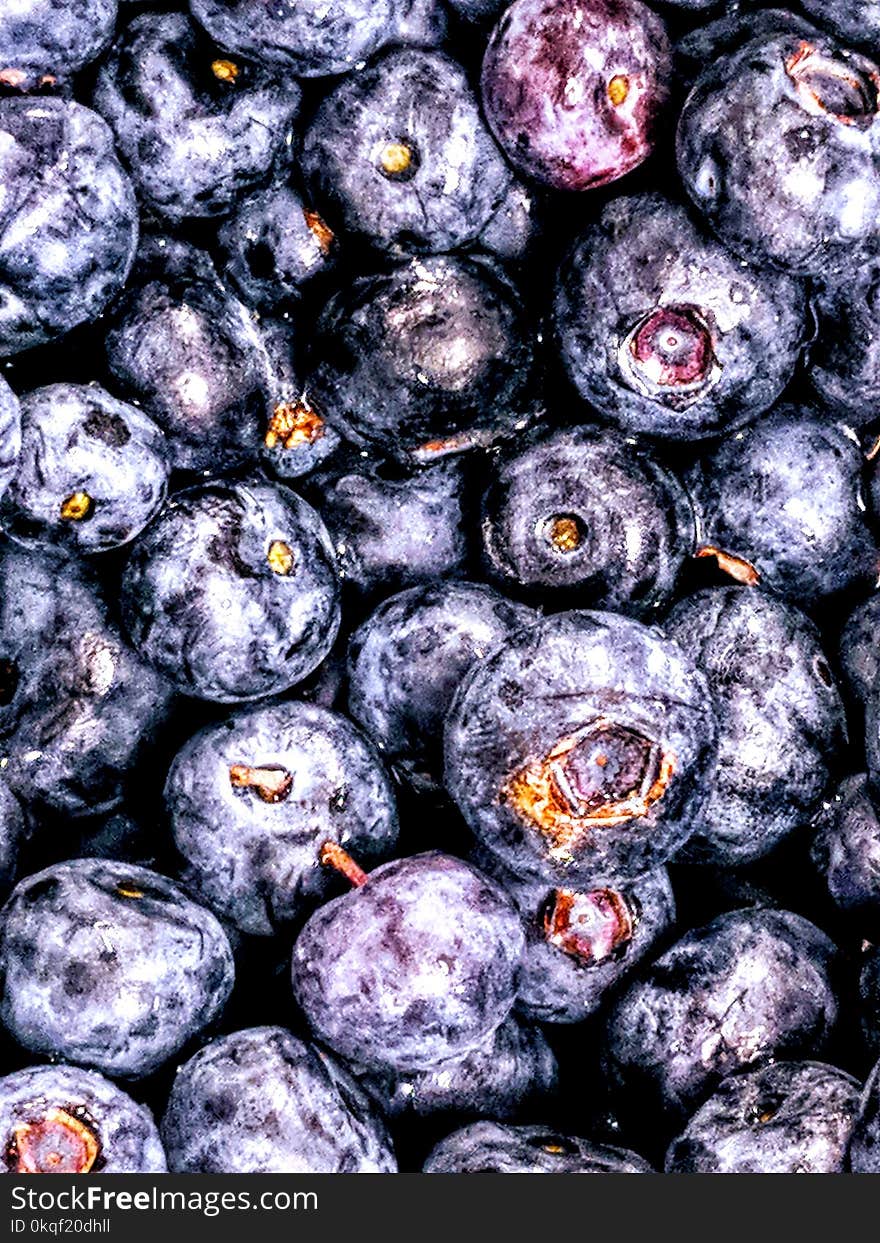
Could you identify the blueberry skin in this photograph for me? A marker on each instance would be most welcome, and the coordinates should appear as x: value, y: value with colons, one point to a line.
x: 855, y: 22
x: 787, y: 1118
x: 431, y: 357
x: 299, y: 36
x: 579, y: 946
x: 13, y: 830
x: 252, y: 850
x: 784, y: 498
x: 646, y: 276
x: 69, y: 220
x: 512, y: 1073
x: 583, y: 516
x: 259, y: 1101
x: 859, y: 651
x: 781, y: 176
x: 573, y: 91
x: 492, y: 1148
x: 517, y: 225
x: 751, y: 984
x: 581, y: 751
x: 844, y: 360
x: 409, y: 657
x: 478, y: 10
x: 76, y: 438
x: 195, y: 141
x: 10, y: 434
x: 123, y: 1132
x: 846, y: 853
x: 419, y: 105
x: 232, y: 592
x: 359, y: 964
x: 390, y: 533
x: 78, y: 707
x: 186, y: 349
x: 54, y: 37
x: 272, y: 245
x: 869, y: 999
x: 781, y: 721
x: 109, y: 965
x: 864, y: 1149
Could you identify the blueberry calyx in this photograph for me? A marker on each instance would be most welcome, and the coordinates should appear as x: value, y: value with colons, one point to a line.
x: 77, y: 507
x: 603, y: 775
x: 280, y: 558
x: 590, y: 927
x: 272, y: 783
x: 323, y: 234
x: 293, y: 423
x: 669, y: 355
x: 62, y: 1141
x: 564, y: 532
x: 225, y: 70
x: 737, y: 568
x: 398, y: 160
x: 836, y: 88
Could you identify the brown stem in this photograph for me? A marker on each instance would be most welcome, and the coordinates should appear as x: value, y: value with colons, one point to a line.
x: 333, y: 856
x: 272, y: 783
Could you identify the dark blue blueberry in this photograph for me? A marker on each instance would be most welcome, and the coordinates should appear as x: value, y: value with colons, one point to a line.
x: 844, y: 359
x: 295, y: 440
x: 409, y: 658
x: 52, y: 38
x: 92, y: 472
x: 735, y: 25
x: 582, y: 750
x: 864, y: 1149
x: 853, y: 21
x: 400, y: 154
x: 414, y: 967
x: 79, y: 709
x: 518, y: 223
x: 512, y: 1073
x: 750, y: 985
x: 196, y: 130
x: 781, y: 721
x: 665, y: 332
x: 273, y: 245
x: 574, y: 91
x: 491, y: 1148
x: 392, y: 531
x: 253, y: 799
x: 581, y: 943
x: 869, y: 998
x: 778, y: 148
x: 300, y: 36
x: 13, y: 828
x: 846, y: 853
x: 232, y: 591
x: 781, y: 503
x: 10, y: 434
x: 63, y: 1120
x: 68, y: 220
x: 787, y: 1118
x: 478, y: 10
x: 184, y: 347
x: 583, y: 516
x: 109, y: 965
x: 431, y: 357
x: 859, y: 650
x: 260, y: 1101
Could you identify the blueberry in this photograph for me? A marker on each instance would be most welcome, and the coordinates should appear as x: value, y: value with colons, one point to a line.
x: 260, y: 1101
x: 665, y: 332
x: 781, y: 722
x: 869, y: 998
x: 781, y: 503
x: 582, y: 750
x: 390, y: 532
x: 13, y: 829
x: 859, y: 650
x: 69, y: 220
x: 92, y: 472
x: 409, y: 657
x: 253, y: 799
x: 10, y: 434
x: 854, y: 21
x: 109, y: 965
x: 478, y: 10
x: 63, y: 1120
x: 511, y: 1073
x: 399, y: 154
x: 844, y: 360
x: 44, y: 41
x: 429, y: 358
x: 583, y: 516
x: 232, y: 592
x: 299, y: 36
x: 197, y: 130
x: 491, y: 1148
x: 787, y: 1118
x: 415, y: 966
x: 272, y: 245
x: 581, y: 943
x: 846, y: 853
x: 777, y: 147
x: 573, y: 89
x: 864, y: 1149
x: 184, y: 347
x: 517, y: 225
x: 79, y: 709
x: 751, y: 984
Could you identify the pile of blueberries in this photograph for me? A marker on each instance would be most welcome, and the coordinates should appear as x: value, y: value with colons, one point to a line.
x: 439, y: 610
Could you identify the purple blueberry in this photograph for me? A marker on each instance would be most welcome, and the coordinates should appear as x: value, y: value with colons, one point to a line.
x: 491, y: 1148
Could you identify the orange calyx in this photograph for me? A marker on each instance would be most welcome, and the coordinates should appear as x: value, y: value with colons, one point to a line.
x: 737, y: 568
x: 293, y: 423
x: 318, y: 226
x: 58, y: 1143
x: 272, y: 783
